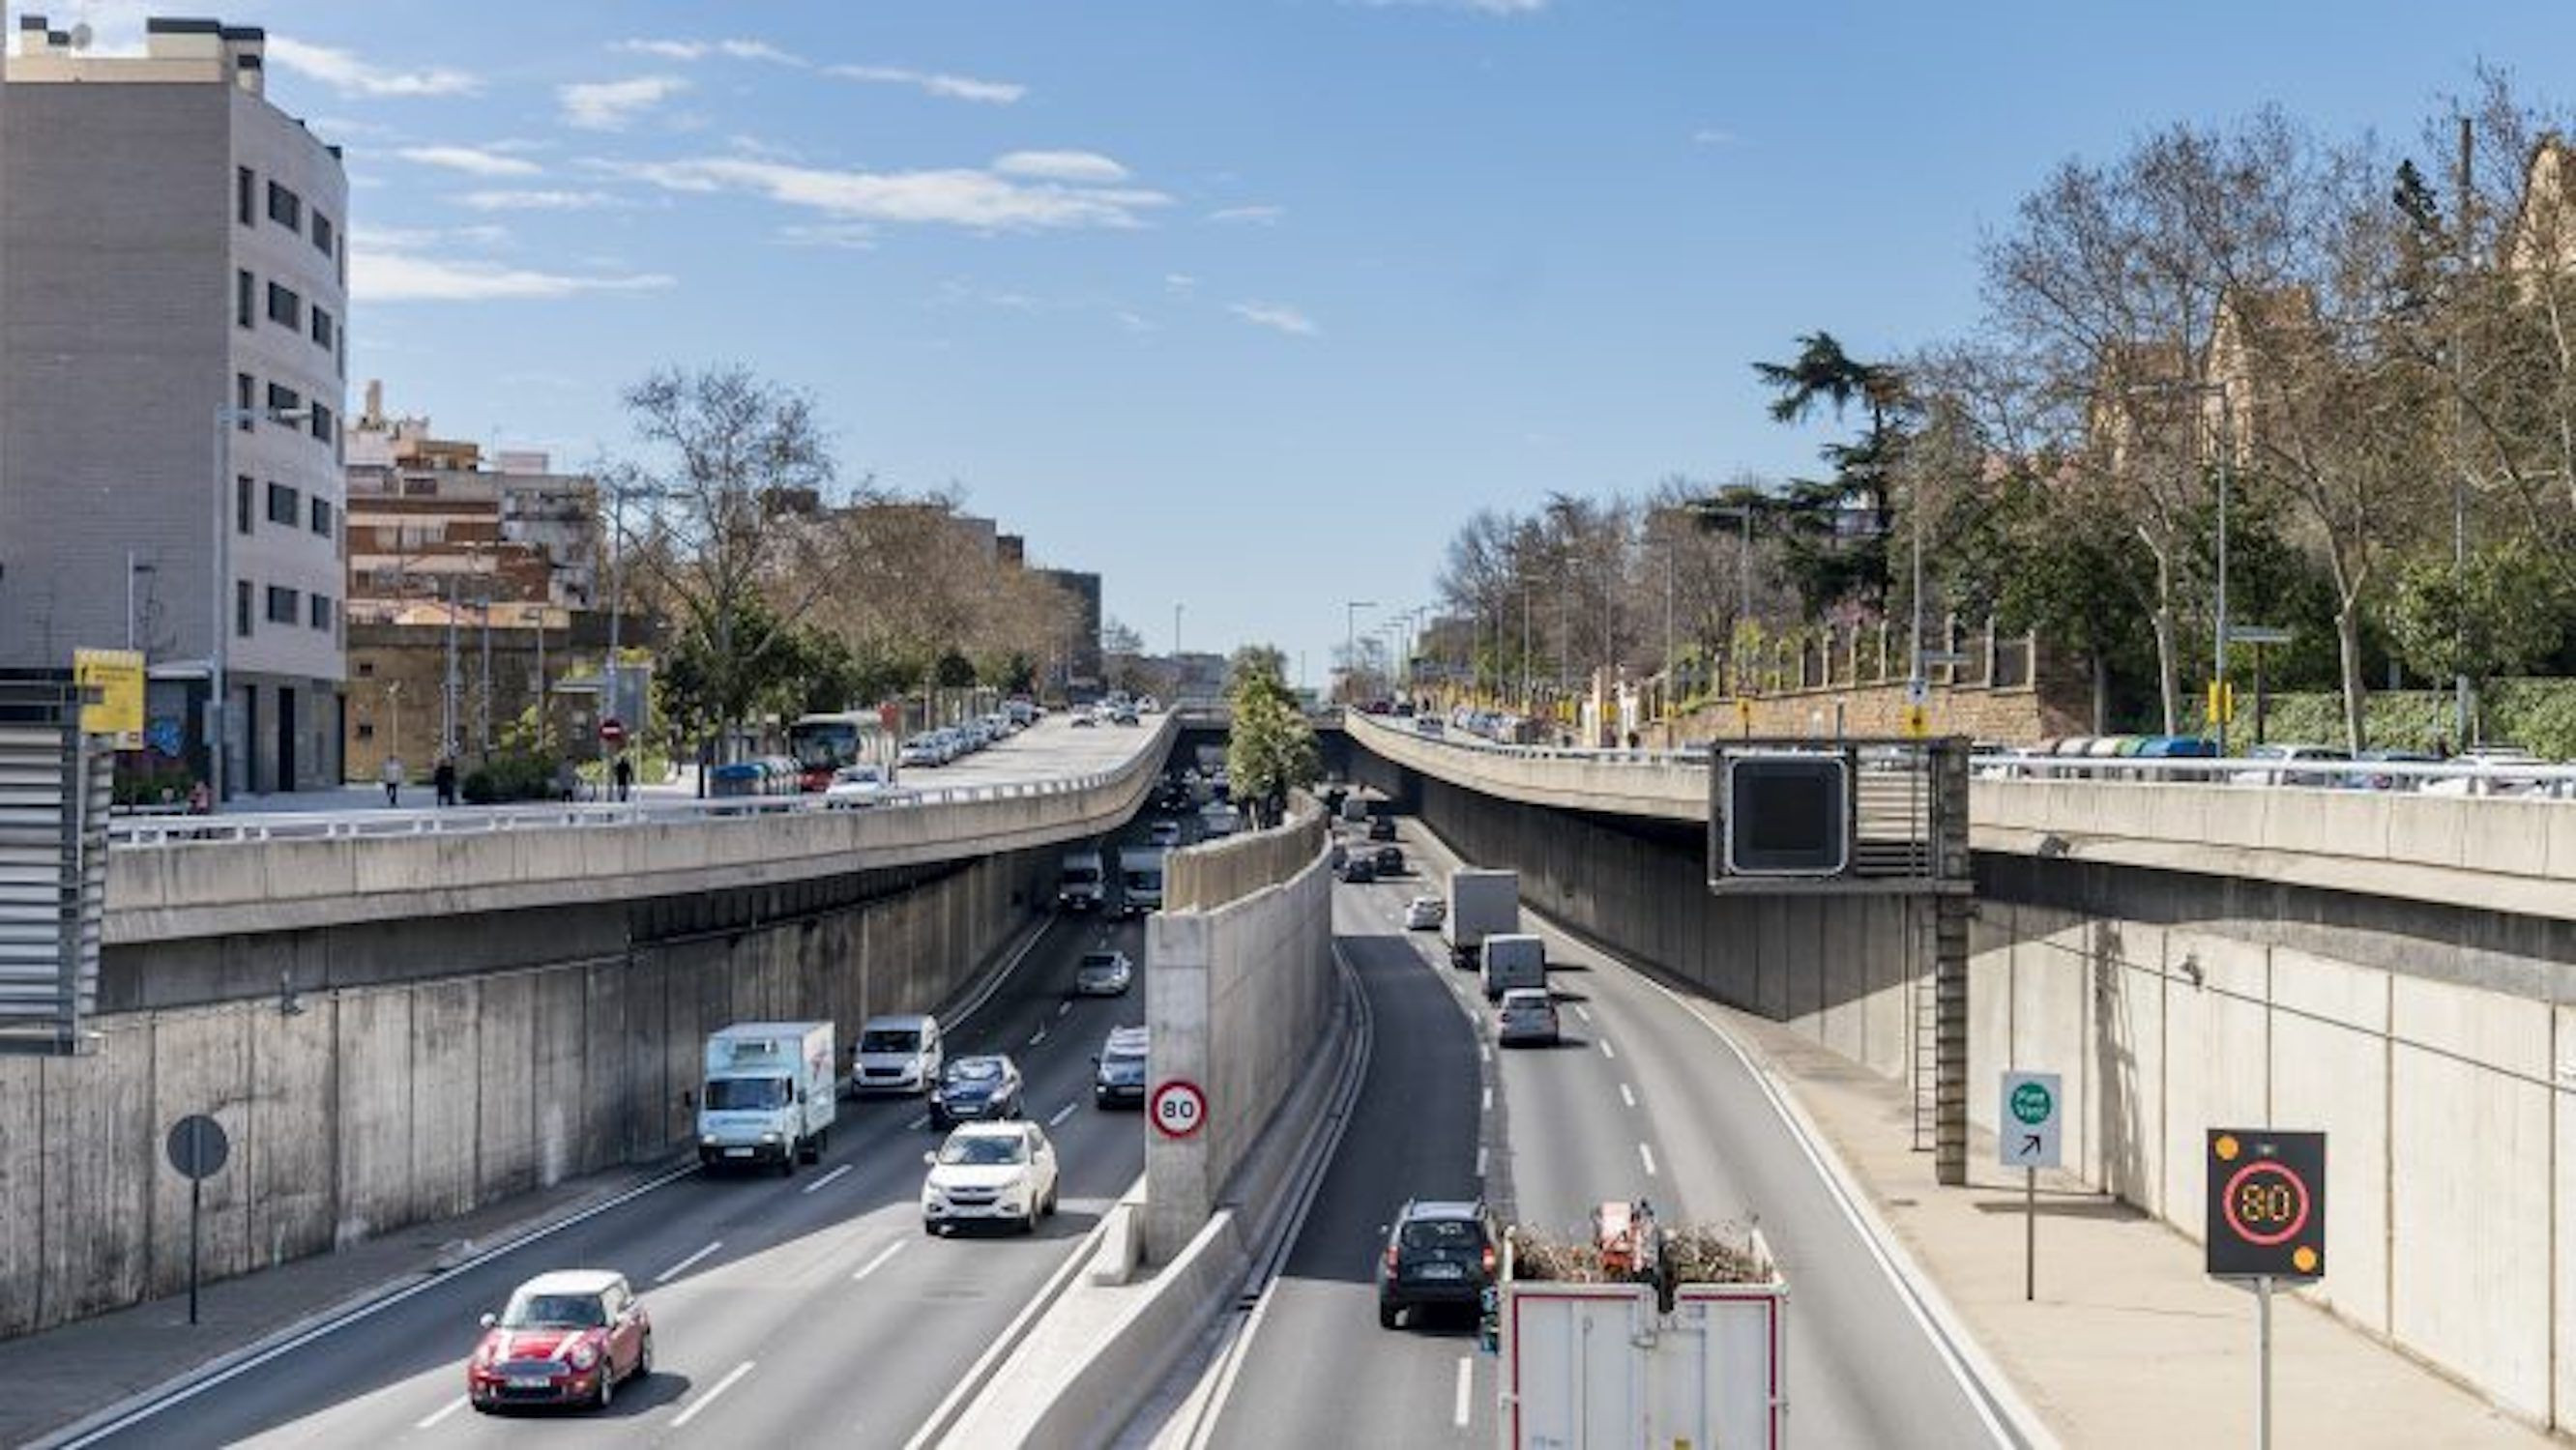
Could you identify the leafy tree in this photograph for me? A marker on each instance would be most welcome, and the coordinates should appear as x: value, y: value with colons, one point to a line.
x: 1271, y: 749
x: 1833, y: 539
x: 2507, y: 611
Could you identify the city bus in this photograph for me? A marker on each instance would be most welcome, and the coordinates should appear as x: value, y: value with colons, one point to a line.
x: 822, y: 744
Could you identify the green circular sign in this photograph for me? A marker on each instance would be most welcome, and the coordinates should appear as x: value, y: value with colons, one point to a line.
x: 2032, y: 1104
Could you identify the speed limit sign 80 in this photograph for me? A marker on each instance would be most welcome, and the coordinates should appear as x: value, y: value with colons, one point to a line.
x: 1177, y: 1108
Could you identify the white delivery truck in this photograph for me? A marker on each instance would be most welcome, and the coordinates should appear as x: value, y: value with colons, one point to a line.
x: 1078, y: 881
x: 1480, y: 904
x: 1670, y: 1348
x: 769, y: 1095
x: 1513, y: 959
x: 1140, y: 880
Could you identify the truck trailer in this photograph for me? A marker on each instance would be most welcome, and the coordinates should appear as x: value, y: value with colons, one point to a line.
x: 1481, y: 903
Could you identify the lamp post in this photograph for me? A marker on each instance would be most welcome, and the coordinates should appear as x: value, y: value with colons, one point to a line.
x: 1177, y: 607
x: 219, y: 623
x: 1351, y: 644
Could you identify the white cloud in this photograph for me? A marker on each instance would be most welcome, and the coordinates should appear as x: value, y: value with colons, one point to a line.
x: 980, y: 200
x: 350, y: 76
x: 1712, y: 136
x: 1275, y: 315
x: 404, y: 277
x: 949, y: 87
x: 610, y: 105
x: 1248, y: 216
x: 413, y: 239
x: 508, y: 200
x: 842, y: 236
x: 701, y: 49
x: 1132, y: 322
x: 1087, y: 167
x: 1180, y: 282
x: 470, y: 160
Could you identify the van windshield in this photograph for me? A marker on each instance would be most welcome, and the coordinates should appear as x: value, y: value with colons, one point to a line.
x: 1080, y: 875
x: 747, y: 1094
x: 889, y: 1039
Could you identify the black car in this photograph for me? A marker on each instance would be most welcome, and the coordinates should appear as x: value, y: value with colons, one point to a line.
x: 1437, y: 1254
x: 975, y: 1088
x: 1118, y: 1073
x: 1381, y: 828
x: 1358, y: 870
x: 1390, y: 860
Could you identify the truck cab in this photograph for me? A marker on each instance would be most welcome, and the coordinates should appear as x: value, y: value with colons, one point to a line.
x: 1140, y: 880
x: 1079, y: 881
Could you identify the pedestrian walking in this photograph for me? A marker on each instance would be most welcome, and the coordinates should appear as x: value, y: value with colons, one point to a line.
x: 445, y: 780
x: 624, y: 774
x: 392, y: 776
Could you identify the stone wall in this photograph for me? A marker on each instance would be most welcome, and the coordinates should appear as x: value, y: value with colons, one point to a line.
x: 373, y: 1106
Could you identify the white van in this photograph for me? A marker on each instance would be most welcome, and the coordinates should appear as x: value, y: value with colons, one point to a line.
x: 898, y: 1053
x: 1513, y: 959
x: 1079, y: 881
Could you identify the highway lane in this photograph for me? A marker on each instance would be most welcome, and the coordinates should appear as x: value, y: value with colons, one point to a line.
x: 1641, y: 1100
x: 1318, y: 1370
x: 853, y: 1322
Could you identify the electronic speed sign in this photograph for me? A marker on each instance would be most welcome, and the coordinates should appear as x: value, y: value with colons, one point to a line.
x: 2266, y: 1204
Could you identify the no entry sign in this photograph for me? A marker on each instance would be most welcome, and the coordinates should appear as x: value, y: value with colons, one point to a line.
x: 1177, y: 1107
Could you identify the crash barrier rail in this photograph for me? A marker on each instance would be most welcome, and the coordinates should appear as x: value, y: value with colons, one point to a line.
x: 158, y: 831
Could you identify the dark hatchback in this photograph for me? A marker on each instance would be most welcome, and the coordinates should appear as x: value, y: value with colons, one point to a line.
x: 1438, y: 1253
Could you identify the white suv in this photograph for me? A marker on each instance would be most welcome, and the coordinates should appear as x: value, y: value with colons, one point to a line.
x: 990, y: 1173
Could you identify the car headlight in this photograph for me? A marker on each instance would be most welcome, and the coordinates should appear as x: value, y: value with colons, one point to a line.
x: 770, y: 1137
x: 583, y: 1356
x: 707, y: 1140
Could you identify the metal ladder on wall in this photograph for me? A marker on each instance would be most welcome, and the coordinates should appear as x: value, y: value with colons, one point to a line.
x: 1922, y: 998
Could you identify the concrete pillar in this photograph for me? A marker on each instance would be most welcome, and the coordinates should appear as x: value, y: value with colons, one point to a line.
x: 1180, y: 1186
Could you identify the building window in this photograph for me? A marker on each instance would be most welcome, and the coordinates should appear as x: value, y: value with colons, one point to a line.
x: 285, y: 505
x: 320, y: 607
x: 283, y: 399
x: 285, y: 208
x: 366, y: 731
x: 241, y: 503
x: 241, y: 608
x: 325, y: 237
x: 285, y: 307
x: 244, y: 290
x: 245, y: 196
x: 323, y: 331
x: 322, y: 517
x: 322, y: 430
x: 281, y: 604
x: 245, y: 400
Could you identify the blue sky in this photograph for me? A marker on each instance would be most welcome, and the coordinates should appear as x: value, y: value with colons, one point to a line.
x: 1245, y: 304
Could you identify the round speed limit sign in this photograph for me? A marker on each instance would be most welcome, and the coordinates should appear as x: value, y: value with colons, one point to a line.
x: 1177, y: 1108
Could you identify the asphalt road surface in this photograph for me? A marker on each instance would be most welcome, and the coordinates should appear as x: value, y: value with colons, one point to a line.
x: 786, y: 1311
x: 1640, y: 1100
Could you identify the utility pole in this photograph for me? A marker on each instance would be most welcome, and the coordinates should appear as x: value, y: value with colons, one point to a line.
x: 447, y: 695
x: 2461, y: 711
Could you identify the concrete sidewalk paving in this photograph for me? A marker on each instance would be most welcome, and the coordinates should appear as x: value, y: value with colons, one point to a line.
x: 2127, y: 1342
x: 60, y: 1376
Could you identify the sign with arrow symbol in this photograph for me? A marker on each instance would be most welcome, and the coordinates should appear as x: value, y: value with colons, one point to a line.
x: 2026, y: 1129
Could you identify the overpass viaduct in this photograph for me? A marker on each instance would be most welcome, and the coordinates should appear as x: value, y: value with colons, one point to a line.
x: 2392, y: 967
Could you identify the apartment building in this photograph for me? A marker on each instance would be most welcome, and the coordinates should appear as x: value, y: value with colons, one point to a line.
x: 173, y: 319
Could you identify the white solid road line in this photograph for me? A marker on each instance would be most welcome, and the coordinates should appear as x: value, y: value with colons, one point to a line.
x: 1464, y: 1405
x: 825, y: 1181
x: 1605, y: 1047
x: 701, y: 1402
x: 872, y: 1265
x: 683, y: 1266
x: 1648, y: 1154
x: 1063, y: 1113
x: 430, y: 1422
x: 1626, y: 1096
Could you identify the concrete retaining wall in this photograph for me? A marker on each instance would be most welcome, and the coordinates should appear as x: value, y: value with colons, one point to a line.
x: 1236, y: 996
x: 373, y: 1107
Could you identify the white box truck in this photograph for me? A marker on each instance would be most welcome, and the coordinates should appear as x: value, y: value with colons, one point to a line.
x: 1078, y: 881
x: 1140, y: 880
x: 769, y: 1095
x: 1480, y: 904
x: 1513, y: 959
x: 1628, y: 1363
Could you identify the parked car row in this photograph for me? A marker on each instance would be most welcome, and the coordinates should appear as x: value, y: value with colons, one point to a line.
x: 2487, y: 770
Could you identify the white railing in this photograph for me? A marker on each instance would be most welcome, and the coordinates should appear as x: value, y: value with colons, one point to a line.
x: 143, y: 832
x: 2459, y: 777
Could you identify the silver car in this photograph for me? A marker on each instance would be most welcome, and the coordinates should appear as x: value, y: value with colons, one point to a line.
x: 1102, y: 974
x: 1527, y: 1014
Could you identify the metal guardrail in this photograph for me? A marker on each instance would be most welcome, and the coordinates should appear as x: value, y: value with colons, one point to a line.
x: 161, y: 831
x: 2457, y: 777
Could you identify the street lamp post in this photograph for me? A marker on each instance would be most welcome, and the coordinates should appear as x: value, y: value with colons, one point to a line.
x: 1351, y: 644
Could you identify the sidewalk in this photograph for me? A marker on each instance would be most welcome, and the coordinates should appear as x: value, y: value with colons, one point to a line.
x: 2128, y: 1343
x: 63, y: 1375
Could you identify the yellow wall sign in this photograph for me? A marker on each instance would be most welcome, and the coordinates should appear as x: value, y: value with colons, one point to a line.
x: 1917, y: 722
x: 117, y: 675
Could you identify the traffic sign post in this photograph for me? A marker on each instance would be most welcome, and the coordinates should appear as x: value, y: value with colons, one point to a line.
x: 612, y: 732
x: 1177, y: 1108
x: 2027, y: 1137
x: 2265, y: 1219
x: 197, y: 1147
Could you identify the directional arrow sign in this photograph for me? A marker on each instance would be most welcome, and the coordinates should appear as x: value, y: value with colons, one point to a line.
x: 2026, y: 1128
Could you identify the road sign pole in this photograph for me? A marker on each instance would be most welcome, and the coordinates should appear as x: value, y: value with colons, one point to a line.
x: 2029, y: 1234
x: 2263, y: 1362
x: 196, y: 1203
